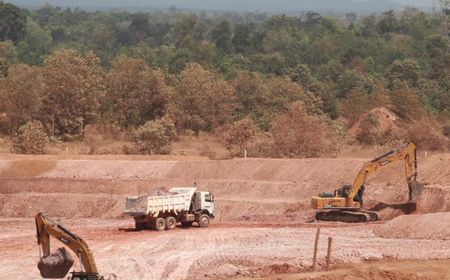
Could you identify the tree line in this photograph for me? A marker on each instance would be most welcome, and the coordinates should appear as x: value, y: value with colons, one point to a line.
x: 281, y: 80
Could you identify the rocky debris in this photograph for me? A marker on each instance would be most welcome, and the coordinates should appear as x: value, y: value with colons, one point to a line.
x: 55, y: 265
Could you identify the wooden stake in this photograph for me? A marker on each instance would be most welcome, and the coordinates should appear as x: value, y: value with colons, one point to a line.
x: 316, y: 244
x: 330, y: 241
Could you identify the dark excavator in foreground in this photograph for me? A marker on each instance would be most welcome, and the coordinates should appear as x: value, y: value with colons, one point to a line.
x: 57, y: 265
x: 345, y: 204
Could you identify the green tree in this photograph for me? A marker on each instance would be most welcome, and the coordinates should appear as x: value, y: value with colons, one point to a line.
x: 302, y: 75
x: 182, y: 31
x: 241, y: 41
x: 36, y: 43
x: 388, y: 22
x: 221, y: 36
x: 104, y: 38
x: 12, y: 22
x: 7, y: 57
x: 437, y: 45
x: 404, y: 70
x: 139, y: 27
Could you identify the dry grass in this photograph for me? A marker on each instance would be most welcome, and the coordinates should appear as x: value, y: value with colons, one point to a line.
x: 28, y: 168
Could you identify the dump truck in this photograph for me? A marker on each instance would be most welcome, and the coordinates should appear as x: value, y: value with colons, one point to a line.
x: 181, y: 205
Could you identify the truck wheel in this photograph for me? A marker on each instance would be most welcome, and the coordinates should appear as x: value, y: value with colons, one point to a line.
x: 203, y: 221
x: 160, y: 224
x: 171, y: 223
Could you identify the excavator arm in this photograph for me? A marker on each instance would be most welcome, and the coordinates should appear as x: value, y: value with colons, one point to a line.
x: 45, y: 227
x: 406, y: 152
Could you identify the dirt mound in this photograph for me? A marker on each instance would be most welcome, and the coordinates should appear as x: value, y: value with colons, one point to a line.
x: 434, y: 198
x: 420, y: 226
x: 385, y: 118
x: 399, y: 270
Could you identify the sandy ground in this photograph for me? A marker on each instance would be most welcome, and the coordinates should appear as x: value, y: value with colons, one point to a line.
x: 261, y: 227
x: 217, y: 252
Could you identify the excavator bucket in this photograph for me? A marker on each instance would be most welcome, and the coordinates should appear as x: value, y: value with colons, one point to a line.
x: 415, y: 190
x: 55, y: 265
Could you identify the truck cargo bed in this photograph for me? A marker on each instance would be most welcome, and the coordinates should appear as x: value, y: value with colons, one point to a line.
x: 179, y: 201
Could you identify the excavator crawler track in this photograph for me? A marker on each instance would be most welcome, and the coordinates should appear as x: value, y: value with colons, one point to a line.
x: 359, y: 216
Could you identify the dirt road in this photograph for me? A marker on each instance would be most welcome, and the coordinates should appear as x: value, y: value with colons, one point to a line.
x: 216, y: 252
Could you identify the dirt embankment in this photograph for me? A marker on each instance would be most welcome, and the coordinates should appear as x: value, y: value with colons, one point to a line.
x: 419, y: 226
x: 264, y: 190
x: 398, y: 270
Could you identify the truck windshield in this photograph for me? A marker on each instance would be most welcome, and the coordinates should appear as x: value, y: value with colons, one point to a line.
x: 209, y: 197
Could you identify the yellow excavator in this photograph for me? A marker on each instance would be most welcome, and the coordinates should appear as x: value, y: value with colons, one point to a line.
x: 57, y: 265
x: 345, y: 204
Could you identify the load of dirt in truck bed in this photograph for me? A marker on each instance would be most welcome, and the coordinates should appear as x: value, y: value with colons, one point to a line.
x: 160, y: 192
x: 139, y: 204
x: 55, y: 265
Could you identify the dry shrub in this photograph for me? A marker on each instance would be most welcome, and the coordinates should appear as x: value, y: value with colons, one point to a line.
x: 30, y: 139
x: 263, y: 146
x: 128, y: 150
x: 155, y: 137
x: 205, y: 151
x: 93, y: 138
x: 426, y: 137
x: 240, y: 136
x: 297, y: 134
x: 406, y: 104
x: 369, y: 131
x: 446, y: 131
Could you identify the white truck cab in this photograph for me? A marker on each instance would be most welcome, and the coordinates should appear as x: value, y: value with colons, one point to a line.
x: 205, y: 201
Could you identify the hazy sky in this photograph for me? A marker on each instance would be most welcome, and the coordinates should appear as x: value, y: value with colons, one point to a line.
x: 416, y: 2
x: 242, y: 5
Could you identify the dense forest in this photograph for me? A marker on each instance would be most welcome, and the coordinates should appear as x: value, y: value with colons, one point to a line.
x: 269, y: 85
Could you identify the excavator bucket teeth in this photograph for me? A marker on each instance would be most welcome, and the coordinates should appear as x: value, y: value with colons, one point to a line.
x: 415, y: 190
x: 55, y: 265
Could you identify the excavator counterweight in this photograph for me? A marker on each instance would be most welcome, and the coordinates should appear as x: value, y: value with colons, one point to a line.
x: 345, y: 204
